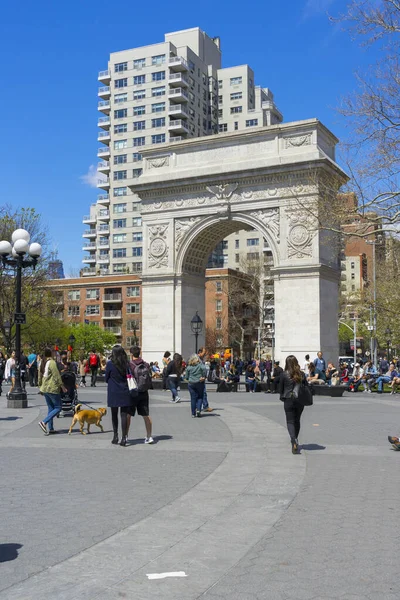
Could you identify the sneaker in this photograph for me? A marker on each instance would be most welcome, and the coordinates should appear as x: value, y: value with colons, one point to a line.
x: 43, y: 427
x: 396, y: 446
x: 177, y: 400
x: 52, y: 432
x: 193, y: 416
x: 393, y: 440
x: 149, y: 440
x: 198, y: 414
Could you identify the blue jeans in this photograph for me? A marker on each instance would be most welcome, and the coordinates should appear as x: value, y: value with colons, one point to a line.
x: 381, y: 380
x: 252, y: 384
x: 196, y: 391
x: 54, y: 407
x: 173, y: 384
x: 204, y: 401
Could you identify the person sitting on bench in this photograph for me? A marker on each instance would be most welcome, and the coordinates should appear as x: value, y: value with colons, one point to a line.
x: 315, y: 375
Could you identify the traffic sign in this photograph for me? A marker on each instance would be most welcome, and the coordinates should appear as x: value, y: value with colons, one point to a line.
x: 20, y: 318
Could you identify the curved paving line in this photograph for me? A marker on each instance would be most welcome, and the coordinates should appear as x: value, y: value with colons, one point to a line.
x: 205, y: 532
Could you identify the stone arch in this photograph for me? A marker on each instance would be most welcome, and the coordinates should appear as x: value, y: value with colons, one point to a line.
x: 202, y: 237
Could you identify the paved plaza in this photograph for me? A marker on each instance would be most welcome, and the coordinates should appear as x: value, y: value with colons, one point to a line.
x: 221, y: 499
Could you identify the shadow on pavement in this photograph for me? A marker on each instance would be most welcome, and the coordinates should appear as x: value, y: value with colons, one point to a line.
x: 312, y: 447
x: 9, y: 418
x: 9, y: 552
x: 158, y: 438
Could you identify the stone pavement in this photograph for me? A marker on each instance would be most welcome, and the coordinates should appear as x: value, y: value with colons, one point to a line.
x: 221, y: 498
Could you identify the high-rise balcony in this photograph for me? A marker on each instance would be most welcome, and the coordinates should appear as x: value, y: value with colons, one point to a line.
x: 112, y: 314
x: 104, y: 106
x: 103, y: 215
x: 178, y: 63
x: 104, y: 76
x: 89, y: 259
x: 89, y: 246
x: 86, y: 272
x: 103, y: 259
x: 112, y: 298
x: 178, y: 79
x: 177, y: 110
x: 176, y: 138
x: 103, y: 244
x: 103, y: 167
x: 115, y: 330
x: 104, y: 199
x: 104, y: 271
x: 104, y: 122
x: 104, y: 92
x: 178, y: 126
x: 178, y: 95
x: 89, y: 233
x: 103, y: 152
x: 104, y: 184
x: 88, y: 219
x: 103, y: 229
x: 104, y: 137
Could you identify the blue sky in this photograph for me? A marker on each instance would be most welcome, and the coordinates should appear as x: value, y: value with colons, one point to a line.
x: 52, y: 51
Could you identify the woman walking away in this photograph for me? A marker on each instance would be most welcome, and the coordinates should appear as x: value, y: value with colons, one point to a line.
x: 196, y: 376
x: 174, y: 372
x: 118, y: 395
x: 50, y: 385
x: 165, y: 361
x: 289, y: 385
x: 84, y: 369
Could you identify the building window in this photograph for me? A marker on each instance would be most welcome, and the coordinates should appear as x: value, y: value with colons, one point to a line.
x: 120, y: 67
x: 138, y: 125
x: 136, y: 173
x: 236, y: 258
x: 74, y: 295
x: 253, y: 255
x: 133, y: 291
x: 222, y: 127
x: 119, y: 223
x: 158, y: 122
x: 352, y: 265
x: 121, y: 113
x: 120, y: 144
x: 158, y: 60
x: 158, y: 91
x: 236, y: 244
x: 236, y: 127
x: 137, y: 251
x: 236, y: 96
x: 236, y: 109
x: 218, y: 323
x: 137, y: 236
x: 132, y: 325
x: 93, y: 294
x: 118, y: 238
x: 136, y: 157
x: 137, y: 222
x: 252, y: 123
x: 220, y: 84
x: 120, y: 175
x: 220, y: 113
x: 74, y: 311
x: 119, y: 253
x: 158, y: 107
x: 120, y: 191
x: 133, y: 309
x: 137, y: 267
x: 139, y: 94
x: 120, y: 159
x: 253, y: 242
x: 236, y: 80
x: 121, y: 128
x: 140, y: 141
x: 119, y: 208
x: 92, y: 309
x: 220, y: 99
x: 218, y: 286
x: 218, y: 305
x: 121, y: 83
x: 139, y: 110
x: 158, y: 76
x: 353, y: 288
x: 120, y: 98
x: 353, y: 275
x: 139, y: 63
x: 158, y: 139
x: 119, y: 268
x: 139, y: 79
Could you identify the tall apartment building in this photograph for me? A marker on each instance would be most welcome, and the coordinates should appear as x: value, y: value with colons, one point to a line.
x: 160, y: 94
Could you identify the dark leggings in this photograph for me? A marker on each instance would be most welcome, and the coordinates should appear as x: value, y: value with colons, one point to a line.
x: 124, y: 419
x: 293, y: 412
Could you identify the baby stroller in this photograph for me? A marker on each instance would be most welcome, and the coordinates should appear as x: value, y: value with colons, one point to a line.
x: 69, y: 399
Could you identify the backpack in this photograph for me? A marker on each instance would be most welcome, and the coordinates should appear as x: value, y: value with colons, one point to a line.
x: 141, y: 373
x: 93, y: 360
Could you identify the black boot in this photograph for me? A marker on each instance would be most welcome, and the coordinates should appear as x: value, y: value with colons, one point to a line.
x: 115, y: 438
x: 123, y: 440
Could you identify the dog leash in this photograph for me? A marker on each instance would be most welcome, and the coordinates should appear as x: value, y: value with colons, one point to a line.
x: 91, y: 407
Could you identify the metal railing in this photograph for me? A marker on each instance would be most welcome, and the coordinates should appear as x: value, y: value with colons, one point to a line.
x: 177, y: 108
x: 89, y: 246
x: 104, y: 243
x: 103, y: 150
x: 116, y: 314
x: 104, y: 104
x: 176, y: 138
x: 104, y: 74
x: 178, y: 92
x: 88, y: 218
x: 103, y: 165
x: 103, y: 134
x: 178, y: 123
x: 174, y: 60
x: 104, y: 90
x: 103, y: 120
x: 116, y: 330
x: 104, y: 213
x: 178, y: 77
x: 112, y: 297
x: 89, y: 232
x: 103, y: 197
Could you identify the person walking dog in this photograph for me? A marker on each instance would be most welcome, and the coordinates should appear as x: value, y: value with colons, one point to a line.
x: 50, y: 385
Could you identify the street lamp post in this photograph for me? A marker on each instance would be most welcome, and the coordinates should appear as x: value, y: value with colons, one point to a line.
x: 354, y: 332
x: 12, y: 255
x: 7, y: 331
x: 196, y: 325
x: 71, y: 340
x: 388, y: 333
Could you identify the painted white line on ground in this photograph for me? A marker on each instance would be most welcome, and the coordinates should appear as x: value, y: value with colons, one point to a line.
x: 164, y: 575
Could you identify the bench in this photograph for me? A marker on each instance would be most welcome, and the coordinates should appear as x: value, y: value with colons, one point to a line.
x: 334, y: 391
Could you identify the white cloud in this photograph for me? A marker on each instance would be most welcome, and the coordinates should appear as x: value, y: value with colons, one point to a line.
x: 316, y: 7
x: 92, y: 177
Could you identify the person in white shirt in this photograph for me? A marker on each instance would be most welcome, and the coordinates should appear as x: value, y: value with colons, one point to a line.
x: 356, y: 378
x: 306, y: 363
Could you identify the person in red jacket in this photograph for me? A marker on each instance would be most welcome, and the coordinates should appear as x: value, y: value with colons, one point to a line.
x: 94, y: 364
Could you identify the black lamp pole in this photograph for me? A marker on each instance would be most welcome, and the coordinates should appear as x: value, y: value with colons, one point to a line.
x: 196, y: 325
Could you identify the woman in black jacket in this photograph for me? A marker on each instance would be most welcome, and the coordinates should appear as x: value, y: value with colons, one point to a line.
x: 289, y: 385
x: 174, y: 372
x: 118, y: 395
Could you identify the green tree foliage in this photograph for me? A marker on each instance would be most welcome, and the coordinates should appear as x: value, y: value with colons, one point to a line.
x: 90, y: 336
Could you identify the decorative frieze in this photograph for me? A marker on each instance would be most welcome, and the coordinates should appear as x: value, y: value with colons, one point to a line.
x: 158, y: 246
x: 270, y: 218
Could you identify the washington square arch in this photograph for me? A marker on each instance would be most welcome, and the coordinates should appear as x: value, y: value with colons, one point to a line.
x: 196, y: 192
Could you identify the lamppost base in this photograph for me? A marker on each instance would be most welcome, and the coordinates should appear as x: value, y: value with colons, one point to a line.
x: 17, y: 400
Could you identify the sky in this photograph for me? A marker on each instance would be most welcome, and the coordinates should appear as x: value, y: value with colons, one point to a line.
x: 52, y: 52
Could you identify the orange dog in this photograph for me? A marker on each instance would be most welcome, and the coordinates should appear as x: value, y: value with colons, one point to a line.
x: 91, y: 417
